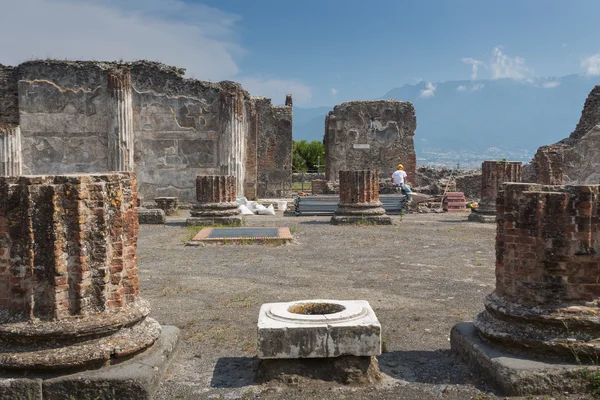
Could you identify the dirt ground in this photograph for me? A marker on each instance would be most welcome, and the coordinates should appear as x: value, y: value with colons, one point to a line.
x: 421, y: 275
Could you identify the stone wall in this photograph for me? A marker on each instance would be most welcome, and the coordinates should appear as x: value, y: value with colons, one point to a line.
x: 94, y: 117
x: 374, y: 135
x: 576, y: 159
x: 433, y: 181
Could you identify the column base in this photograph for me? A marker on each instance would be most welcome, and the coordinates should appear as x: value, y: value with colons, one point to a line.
x: 134, y: 379
x: 518, y: 375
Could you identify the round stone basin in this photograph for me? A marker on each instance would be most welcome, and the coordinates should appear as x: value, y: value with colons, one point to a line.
x: 316, y: 311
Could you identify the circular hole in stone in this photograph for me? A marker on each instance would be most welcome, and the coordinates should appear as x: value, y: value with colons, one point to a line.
x: 316, y: 308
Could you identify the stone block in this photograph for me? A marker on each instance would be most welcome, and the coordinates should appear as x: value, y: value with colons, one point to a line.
x: 318, y: 329
x: 151, y: 216
x: 517, y: 375
x: 214, y: 221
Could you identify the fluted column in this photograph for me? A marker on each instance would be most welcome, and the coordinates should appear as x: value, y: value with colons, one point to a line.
x: 216, y: 204
x: 11, y: 160
x: 69, y: 286
x: 120, y: 134
x: 359, y: 199
x: 493, y: 175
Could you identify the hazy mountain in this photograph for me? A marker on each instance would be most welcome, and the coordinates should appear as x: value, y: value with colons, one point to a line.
x: 511, y: 117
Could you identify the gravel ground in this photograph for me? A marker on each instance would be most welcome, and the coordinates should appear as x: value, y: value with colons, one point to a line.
x: 421, y: 276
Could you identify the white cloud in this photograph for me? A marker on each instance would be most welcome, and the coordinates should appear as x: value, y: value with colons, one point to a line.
x: 503, y: 66
x: 276, y: 89
x: 591, y: 65
x: 474, y: 65
x: 199, y: 38
x: 428, y: 91
x: 334, y: 91
x: 461, y: 88
x: 476, y: 87
x: 550, y: 84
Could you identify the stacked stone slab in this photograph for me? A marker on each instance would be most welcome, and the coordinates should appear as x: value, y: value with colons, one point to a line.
x: 454, y: 202
x: 359, y: 199
x: 547, y: 299
x: 494, y: 173
x: 69, y: 286
x: 216, y: 204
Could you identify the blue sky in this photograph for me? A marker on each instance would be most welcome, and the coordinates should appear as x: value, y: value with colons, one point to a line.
x: 323, y: 52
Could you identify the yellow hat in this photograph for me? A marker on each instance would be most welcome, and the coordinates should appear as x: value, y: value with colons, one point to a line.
x: 400, y: 166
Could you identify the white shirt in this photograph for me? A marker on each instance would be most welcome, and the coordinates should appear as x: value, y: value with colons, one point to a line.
x: 399, y: 177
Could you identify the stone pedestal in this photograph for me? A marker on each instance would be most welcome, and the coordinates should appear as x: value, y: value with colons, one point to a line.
x: 11, y: 162
x: 120, y: 134
x: 216, y: 205
x: 359, y: 200
x: 494, y: 174
x: 318, y: 186
x: 546, y: 305
x: 170, y: 205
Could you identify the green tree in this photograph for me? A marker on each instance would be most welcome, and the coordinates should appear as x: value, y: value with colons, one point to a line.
x: 307, y: 156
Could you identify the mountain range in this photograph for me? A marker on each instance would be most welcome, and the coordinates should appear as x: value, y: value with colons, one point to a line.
x: 479, y: 119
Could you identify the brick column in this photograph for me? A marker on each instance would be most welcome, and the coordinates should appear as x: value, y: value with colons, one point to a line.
x: 359, y: 199
x: 120, y: 134
x: 11, y: 160
x: 547, y: 293
x: 68, y: 272
x: 216, y: 205
x: 494, y: 173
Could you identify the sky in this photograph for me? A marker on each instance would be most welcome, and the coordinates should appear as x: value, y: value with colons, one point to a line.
x: 324, y: 52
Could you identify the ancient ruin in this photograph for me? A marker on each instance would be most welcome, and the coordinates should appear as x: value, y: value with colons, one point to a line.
x: 494, y: 173
x: 359, y: 200
x: 545, y: 305
x: 170, y: 205
x: 79, y: 117
x: 216, y: 205
x: 374, y: 135
x: 69, y: 297
x: 576, y: 159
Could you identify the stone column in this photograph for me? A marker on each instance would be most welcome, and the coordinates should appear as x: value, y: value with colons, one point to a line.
x: 359, y: 199
x: 216, y: 205
x: 11, y: 160
x: 547, y: 297
x: 69, y: 286
x: 120, y: 134
x: 493, y: 174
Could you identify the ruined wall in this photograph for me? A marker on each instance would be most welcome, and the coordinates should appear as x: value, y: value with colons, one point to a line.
x: 79, y: 117
x: 433, y: 181
x: 576, y: 159
x: 370, y: 135
x: 273, y: 148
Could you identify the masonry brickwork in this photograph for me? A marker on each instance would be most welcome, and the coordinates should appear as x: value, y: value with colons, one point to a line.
x: 68, y: 271
x: 547, y: 272
x: 493, y: 175
x: 376, y: 135
x: 88, y: 117
x: 216, y: 202
x: 359, y: 199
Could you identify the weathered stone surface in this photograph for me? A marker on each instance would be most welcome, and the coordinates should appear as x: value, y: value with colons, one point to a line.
x: 170, y: 205
x: 494, y: 173
x: 374, y: 135
x: 436, y: 180
x: 151, y: 216
x: 11, y: 160
x: 576, y: 159
x: 359, y: 199
x: 134, y: 379
x: 547, y: 272
x: 86, y: 117
x: 216, y: 203
x: 516, y: 375
x: 349, y: 370
x: 318, y: 329
x: 69, y: 291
